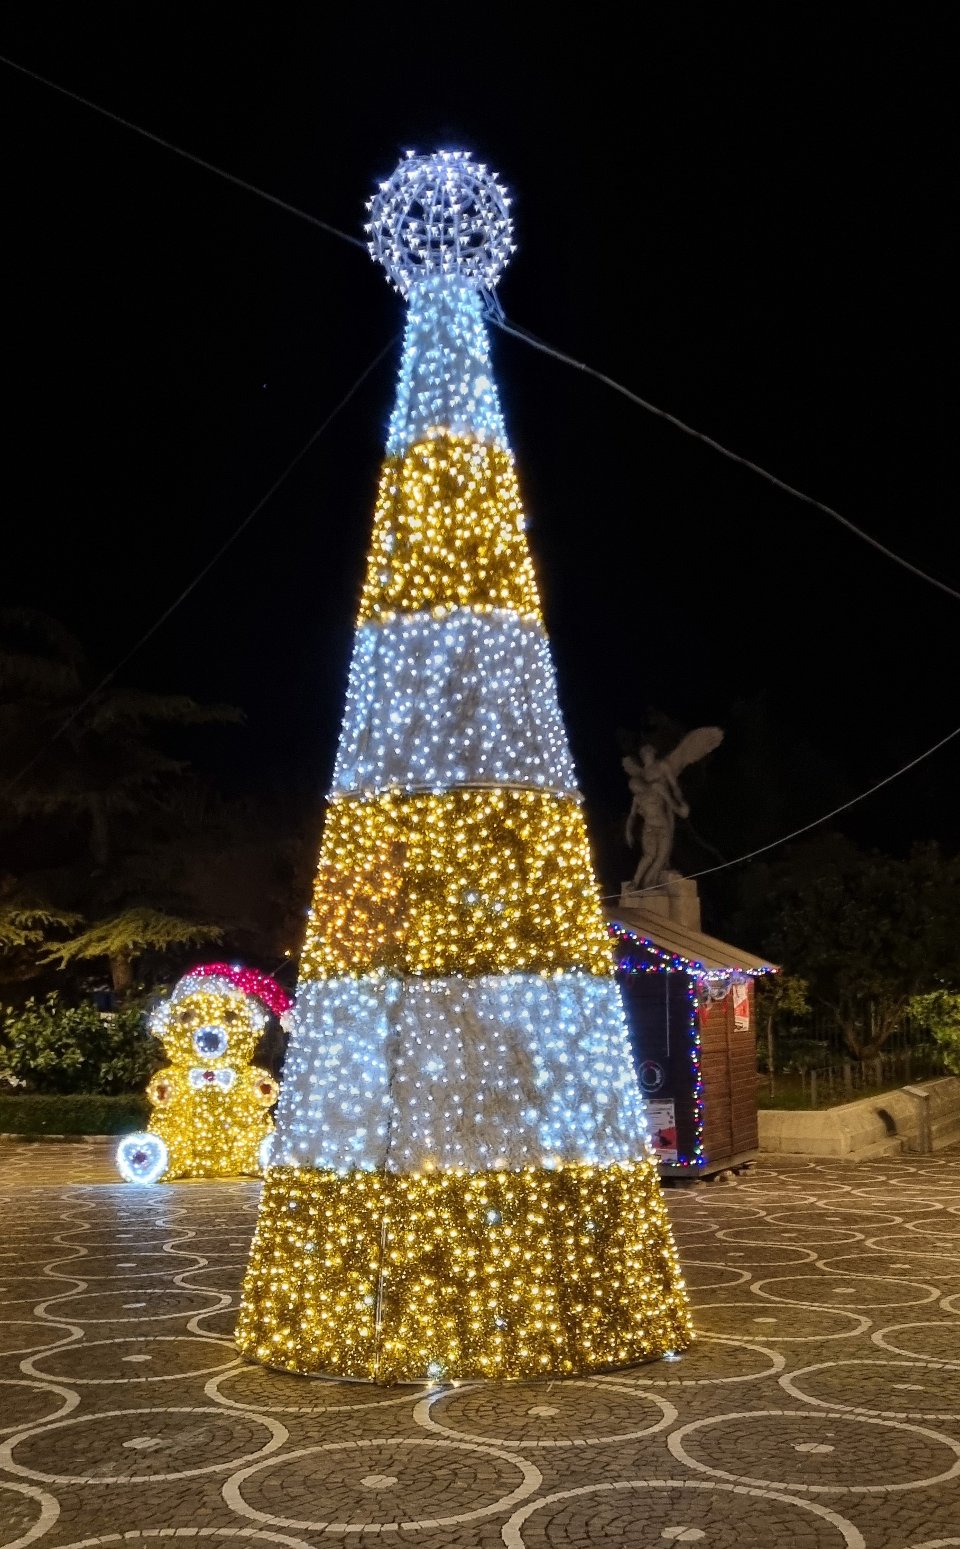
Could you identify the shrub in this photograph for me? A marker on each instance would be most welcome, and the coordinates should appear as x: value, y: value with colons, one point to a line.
x: 939, y: 1012
x: 83, y: 1113
x: 50, y: 1047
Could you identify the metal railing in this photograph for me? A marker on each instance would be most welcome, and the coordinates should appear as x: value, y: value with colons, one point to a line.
x: 825, y: 1082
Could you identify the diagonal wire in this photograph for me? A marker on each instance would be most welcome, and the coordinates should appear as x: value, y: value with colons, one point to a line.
x: 774, y: 844
x: 523, y: 334
x: 198, y: 161
x: 526, y: 337
x: 724, y: 451
x: 204, y: 571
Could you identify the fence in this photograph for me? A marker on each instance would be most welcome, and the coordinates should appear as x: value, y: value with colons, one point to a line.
x: 820, y: 1085
x: 820, y: 1031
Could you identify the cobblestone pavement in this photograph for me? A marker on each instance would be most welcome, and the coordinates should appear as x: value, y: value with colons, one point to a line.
x: 820, y: 1406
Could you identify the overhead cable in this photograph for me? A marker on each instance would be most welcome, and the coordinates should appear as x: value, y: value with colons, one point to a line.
x: 178, y: 150
x: 724, y: 451
x: 523, y: 334
x: 191, y: 586
x: 774, y: 844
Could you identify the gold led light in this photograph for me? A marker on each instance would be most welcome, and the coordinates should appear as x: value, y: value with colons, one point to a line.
x: 471, y: 881
x: 212, y: 1133
x: 186, y: 1015
x: 211, y: 1110
x: 449, y: 533
x: 486, y: 1274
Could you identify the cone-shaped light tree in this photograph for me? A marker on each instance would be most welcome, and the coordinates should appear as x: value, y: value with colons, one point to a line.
x: 460, y: 1183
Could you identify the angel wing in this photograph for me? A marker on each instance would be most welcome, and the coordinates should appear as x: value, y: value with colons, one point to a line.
x: 691, y: 748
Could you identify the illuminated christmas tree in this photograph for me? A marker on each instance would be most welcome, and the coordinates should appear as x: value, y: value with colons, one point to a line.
x: 460, y: 1184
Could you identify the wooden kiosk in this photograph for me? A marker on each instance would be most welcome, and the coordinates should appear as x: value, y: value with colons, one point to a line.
x: 689, y: 1000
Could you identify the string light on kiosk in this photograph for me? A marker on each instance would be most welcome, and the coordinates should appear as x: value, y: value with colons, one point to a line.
x: 638, y: 954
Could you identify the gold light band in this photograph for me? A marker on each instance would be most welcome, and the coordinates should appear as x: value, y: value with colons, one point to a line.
x: 470, y: 881
x: 447, y: 1275
x: 449, y: 533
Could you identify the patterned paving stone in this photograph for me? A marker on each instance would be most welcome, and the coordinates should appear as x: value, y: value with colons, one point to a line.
x: 126, y: 1268
x: 820, y: 1406
x: 219, y: 1324
x: 390, y: 1484
x: 715, y: 1516
x: 945, y: 1223
x: 800, y: 1450
x: 226, y: 1278
x: 133, y: 1445
x: 133, y: 1359
x: 902, y: 1246
x: 814, y: 1234
x: 569, y: 1414
x: 27, y: 1290
x: 915, y: 1266
x: 852, y: 1291
x: 25, y: 1512
x: 135, y: 1303
x: 796, y: 1322
x: 763, y: 1255
x: 933, y: 1340
x: 714, y: 1359
x: 893, y: 1390
x: 281, y: 1393
x: 813, y: 1218
x: 712, y: 1276
x: 19, y: 1335
x: 24, y: 1402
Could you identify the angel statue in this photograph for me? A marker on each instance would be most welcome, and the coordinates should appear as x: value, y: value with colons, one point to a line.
x: 658, y: 801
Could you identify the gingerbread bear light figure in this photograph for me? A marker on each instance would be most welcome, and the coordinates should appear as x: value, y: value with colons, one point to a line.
x: 210, y: 1115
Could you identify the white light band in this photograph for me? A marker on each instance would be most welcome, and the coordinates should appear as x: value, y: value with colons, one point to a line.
x: 466, y: 699
x: 446, y: 384
x: 513, y: 1070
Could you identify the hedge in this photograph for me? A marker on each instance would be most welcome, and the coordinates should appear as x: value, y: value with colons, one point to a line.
x: 58, y: 1048
x: 80, y: 1113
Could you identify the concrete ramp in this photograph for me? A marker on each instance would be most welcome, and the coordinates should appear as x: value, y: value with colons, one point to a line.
x: 918, y: 1119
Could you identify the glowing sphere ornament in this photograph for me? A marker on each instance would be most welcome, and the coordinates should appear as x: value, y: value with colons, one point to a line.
x: 460, y: 1184
x: 210, y: 1113
x: 441, y: 216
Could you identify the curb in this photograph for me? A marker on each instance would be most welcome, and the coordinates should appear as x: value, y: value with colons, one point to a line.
x: 32, y: 1137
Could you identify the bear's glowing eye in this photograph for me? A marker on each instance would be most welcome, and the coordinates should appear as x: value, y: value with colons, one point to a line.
x: 210, y: 1041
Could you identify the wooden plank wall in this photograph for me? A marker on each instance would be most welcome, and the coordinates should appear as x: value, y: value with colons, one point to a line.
x: 728, y: 1062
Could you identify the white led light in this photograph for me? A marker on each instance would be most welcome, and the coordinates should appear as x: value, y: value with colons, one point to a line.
x: 512, y: 1070
x: 210, y: 1042
x: 141, y: 1158
x: 466, y: 699
x: 446, y: 383
x: 209, y: 984
x: 201, y: 1077
x: 441, y: 214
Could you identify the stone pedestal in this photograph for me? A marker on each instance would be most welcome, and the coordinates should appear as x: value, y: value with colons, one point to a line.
x: 675, y: 899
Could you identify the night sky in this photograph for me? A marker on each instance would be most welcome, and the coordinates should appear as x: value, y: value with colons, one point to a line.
x: 746, y: 214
